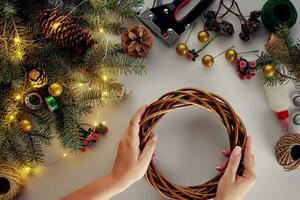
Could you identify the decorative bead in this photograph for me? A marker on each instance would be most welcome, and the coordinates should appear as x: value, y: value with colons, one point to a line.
x: 231, y: 55
x: 208, y: 60
x: 181, y: 49
x: 269, y: 70
x: 203, y: 36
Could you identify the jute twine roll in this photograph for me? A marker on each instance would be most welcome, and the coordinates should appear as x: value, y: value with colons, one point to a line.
x: 11, y: 182
x: 287, y: 151
x: 185, y: 98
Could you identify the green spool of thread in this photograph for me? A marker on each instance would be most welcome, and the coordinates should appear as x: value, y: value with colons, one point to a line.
x: 278, y: 12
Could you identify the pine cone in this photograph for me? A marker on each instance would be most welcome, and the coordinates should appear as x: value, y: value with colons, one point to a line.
x: 64, y: 31
x: 137, y: 40
x: 276, y: 46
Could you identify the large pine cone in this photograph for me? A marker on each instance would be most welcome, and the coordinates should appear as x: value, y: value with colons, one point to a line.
x: 64, y: 31
x: 137, y: 40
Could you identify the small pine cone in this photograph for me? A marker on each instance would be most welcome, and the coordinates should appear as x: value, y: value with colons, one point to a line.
x: 64, y: 31
x: 137, y: 40
x: 276, y: 46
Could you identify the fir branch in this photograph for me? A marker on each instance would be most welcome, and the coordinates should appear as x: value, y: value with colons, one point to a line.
x: 125, y: 65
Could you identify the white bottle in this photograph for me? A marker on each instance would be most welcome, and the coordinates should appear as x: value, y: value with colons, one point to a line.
x: 279, y: 102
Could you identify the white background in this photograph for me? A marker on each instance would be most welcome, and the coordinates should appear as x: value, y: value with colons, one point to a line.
x: 190, y: 141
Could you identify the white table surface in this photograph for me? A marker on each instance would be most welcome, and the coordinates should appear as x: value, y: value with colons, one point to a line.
x: 190, y: 141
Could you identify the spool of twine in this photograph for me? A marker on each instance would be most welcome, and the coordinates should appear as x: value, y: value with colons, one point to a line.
x: 185, y: 98
x: 11, y: 182
x: 276, y: 13
x: 287, y: 151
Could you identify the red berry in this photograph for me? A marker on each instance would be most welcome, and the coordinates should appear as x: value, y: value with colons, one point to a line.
x: 189, y: 56
x: 85, y: 142
x: 242, y: 77
x: 105, y: 130
x: 89, y: 137
x: 253, y: 64
x: 248, y: 76
x: 243, y: 64
x: 95, y: 136
x: 82, y: 149
x: 237, y: 61
x: 252, y: 71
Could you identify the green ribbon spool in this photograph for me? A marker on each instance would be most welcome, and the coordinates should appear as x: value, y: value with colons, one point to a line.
x: 278, y: 12
x: 51, y: 103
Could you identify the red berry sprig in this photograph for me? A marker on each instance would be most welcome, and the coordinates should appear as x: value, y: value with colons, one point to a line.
x: 245, y: 69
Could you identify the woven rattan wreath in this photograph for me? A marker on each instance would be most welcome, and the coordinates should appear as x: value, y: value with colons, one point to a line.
x: 184, y: 98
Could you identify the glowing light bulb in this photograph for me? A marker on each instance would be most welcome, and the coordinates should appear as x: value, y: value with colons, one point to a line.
x: 17, y: 40
x: 95, y: 124
x: 65, y: 155
x: 80, y: 84
x: 19, y: 54
x: 12, y: 117
x: 105, y: 93
x: 27, y: 169
x: 104, y: 122
x: 101, y: 30
x: 18, y: 97
x: 56, y: 25
x: 104, y: 78
x: 90, y: 88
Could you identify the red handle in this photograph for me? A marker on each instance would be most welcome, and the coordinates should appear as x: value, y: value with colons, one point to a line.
x: 181, y: 5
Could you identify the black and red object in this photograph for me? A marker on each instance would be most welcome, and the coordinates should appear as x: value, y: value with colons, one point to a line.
x: 163, y: 21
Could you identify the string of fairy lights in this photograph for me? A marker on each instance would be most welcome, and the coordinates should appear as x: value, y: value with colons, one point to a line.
x: 17, y: 53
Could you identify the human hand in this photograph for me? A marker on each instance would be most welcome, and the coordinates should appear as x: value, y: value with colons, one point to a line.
x: 131, y: 164
x: 232, y: 186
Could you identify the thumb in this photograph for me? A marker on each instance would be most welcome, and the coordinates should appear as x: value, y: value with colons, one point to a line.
x: 233, y: 163
x: 146, y: 155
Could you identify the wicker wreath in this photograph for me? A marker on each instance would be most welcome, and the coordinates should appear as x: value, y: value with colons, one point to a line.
x: 287, y: 151
x: 11, y: 182
x: 184, y: 98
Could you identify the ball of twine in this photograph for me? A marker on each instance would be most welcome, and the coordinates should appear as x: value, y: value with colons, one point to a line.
x: 287, y: 151
x: 276, y: 13
x: 11, y: 182
x: 185, y: 98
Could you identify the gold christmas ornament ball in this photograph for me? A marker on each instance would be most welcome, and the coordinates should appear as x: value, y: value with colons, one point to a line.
x: 231, y: 55
x: 208, y: 60
x: 203, y: 36
x: 55, y: 89
x: 181, y: 49
x: 25, y: 125
x: 269, y: 70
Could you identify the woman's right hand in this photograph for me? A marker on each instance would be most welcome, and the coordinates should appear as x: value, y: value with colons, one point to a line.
x: 232, y: 186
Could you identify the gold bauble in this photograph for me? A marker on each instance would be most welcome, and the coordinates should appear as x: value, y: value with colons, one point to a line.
x: 208, y: 60
x: 55, y: 89
x: 25, y: 125
x: 181, y: 49
x: 203, y: 36
x: 269, y: 70
x: 231, y: 55
x: 38, y: 78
